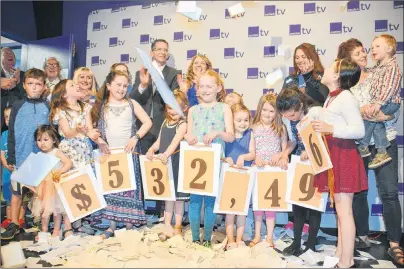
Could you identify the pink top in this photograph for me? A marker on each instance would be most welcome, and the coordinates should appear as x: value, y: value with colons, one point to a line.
x: 267, y: 142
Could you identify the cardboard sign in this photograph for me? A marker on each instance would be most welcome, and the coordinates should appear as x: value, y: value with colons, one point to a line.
x: 235, y: 190
x: 199, y: 169
x: 80, y: 193
x: 270, y: 189
x: 315, y: 148
x: 158, y: 180
x: 115, y: 171
x: 300, y: 186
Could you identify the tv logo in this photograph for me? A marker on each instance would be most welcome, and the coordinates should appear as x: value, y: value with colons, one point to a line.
x: 146, y: 39
x: 367, y: 50
x: 291, y: 70
x: 311, y: 8
x: 180, y: 36
x: 401, y: 188
x: 254, y: 31
x: 201, y: 18
x: 114, y: 41
x: 217, y: 34
x: 125, y: 58
x: 96, y: 60
x: 400, y: 47
x: 384, y: 26
x: 98, y: 26
x: 253, y: 112
x: 91, y: 45
x: 357, y: 6
x: 160, y: 20
x: 128, y: 23
x: 94, y: 12
x: 229, y: 91
x: 149, y: 5
x: 400, y: 141
x: 117, y: 9
x: 230, y: 53
x: 269, y: 51
x: 271, y: 10
x: 254, y: 73
x: 191, y: 53
x: 320, y: 51
x: 377, y: 210
x: 265, y: 91
x: 297, y: 29
x: 227, y: 15
x: 222, y: 74
x: 398, y: 4
x: 338, y: 28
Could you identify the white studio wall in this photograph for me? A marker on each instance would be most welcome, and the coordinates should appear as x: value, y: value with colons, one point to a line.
x: 244, y: 48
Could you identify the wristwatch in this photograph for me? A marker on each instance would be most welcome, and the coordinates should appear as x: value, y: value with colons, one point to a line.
x: 137, y: 136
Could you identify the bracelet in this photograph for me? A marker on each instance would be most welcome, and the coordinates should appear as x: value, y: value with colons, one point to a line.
x: 136, y: 136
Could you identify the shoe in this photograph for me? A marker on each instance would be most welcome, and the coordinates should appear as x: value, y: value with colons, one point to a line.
x: 379, y: 160
x: 364, y: 152
x: 292, y: 250
x: 362, y: 244
x: 207, y: 244
x: 11, y: 230
x: 5, y: 223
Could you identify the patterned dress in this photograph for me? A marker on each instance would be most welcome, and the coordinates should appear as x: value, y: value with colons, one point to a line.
x: 117, y: 125
x: 267, y: 142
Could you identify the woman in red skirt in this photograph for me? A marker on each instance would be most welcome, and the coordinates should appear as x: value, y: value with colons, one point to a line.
x: 342, y: 123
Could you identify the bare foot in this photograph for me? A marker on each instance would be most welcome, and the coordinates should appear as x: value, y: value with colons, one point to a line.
x: 241, y: 243
x: 270, y: 242
x: 56, y: 233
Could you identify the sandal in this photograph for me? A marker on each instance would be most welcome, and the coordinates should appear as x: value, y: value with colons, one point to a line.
x: 270, y: 242
x: 253, y: 243
x: 107, y: 234
x: 67, y: 231
x: 397, y: 254
x: 178, y: 230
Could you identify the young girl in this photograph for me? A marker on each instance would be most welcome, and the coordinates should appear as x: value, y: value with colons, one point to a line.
x: 270, y: 139
x: 116, y: 117
x: 46, y: 201
x: 73, y: 119
x: 294, y: 105
x: 233, y: 98
x: 210, y: 121
x: 342, y: 123
x: 172, y: 133
x: 241, y: 152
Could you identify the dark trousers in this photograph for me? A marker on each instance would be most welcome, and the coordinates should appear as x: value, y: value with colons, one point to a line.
x: 387, y: 187
x: 299, y: 218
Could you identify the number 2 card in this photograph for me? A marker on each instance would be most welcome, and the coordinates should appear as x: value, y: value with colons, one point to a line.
x: 115, y: 171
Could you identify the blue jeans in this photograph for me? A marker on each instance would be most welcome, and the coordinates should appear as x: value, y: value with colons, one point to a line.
x: 195, y: 206
x: 378, y: 129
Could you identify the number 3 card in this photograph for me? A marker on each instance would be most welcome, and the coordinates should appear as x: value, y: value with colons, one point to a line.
x: 199, y: 169
x: 235, y: 190
x: 301, y: 190
x: 80, y: 194
x: 115, y: 171
x: 158, y: 180
x: 270, y: 190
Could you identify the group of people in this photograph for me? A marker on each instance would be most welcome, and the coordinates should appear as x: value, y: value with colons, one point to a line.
x: 352, y: 105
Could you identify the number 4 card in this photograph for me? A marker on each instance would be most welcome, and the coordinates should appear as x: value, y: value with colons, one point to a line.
x: 115, y: 171
x: 199, y: 169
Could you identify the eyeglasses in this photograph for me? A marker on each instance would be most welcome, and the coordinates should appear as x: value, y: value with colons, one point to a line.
x: 160, y: 50
x: 52, y: 65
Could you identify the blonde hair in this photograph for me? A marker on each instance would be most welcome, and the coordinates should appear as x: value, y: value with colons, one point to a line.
x: 276, y: 124
x: 181, y: 99
x: 240, y: 108
x: 238, y: 95
x: 390, y: 40
x: 212, y: 73
x: 82, y: 70
x: 190, y: 74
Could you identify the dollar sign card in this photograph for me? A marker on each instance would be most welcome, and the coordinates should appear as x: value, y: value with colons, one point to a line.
x: 80, y: 194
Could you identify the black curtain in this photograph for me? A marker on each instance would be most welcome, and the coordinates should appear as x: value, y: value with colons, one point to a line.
x: 48, y: 18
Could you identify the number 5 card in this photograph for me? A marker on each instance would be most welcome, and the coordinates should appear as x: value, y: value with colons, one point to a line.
x: 115, y: 171
x: 199, y: 169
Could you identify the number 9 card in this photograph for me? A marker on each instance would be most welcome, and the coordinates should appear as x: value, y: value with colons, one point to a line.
x: 199, y: 169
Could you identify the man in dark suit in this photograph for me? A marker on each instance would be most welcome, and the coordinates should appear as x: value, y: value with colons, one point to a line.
x: 11, y: 82
x: 145, y: 92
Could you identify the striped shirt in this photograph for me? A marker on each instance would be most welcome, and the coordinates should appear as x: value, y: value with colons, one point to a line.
x: 385, y: 84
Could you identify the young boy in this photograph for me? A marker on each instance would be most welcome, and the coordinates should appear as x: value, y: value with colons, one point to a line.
x: 25, y: 117
x: 385, y: 97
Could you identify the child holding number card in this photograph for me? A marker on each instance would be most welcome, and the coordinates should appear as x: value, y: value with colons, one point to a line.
x: 342, y: 123
x: 172, y: 132
x: 210, y: 121
x: 294, y: 105
x: 116, y: 117
x: 270, y: 139
x: 241, y: 152
x: 46, y: 200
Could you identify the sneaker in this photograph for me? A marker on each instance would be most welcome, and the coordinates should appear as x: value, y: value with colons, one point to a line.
x: 207, y: 244
x: 11, y: 231
x: 21, y: 223
x: 5, y: 223
x: 379, y: 160
x: 364, y: 152
x: 292, y: 250
x: 362, y: 243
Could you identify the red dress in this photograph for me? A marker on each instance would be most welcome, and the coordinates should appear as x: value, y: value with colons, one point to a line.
x: 349, y: 170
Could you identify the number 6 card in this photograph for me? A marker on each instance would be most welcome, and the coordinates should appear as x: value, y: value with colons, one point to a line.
x: 199, y: 169
x: 115, y: 171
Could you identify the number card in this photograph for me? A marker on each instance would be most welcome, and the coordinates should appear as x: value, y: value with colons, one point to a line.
x: 300, y: 186
x: 199, y: 169
x: 80, y: 194
x: 270, y: 189
x: 315, y: 148
x: 234, y: 191
x: 158, y: 180
x: 115, y: 171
